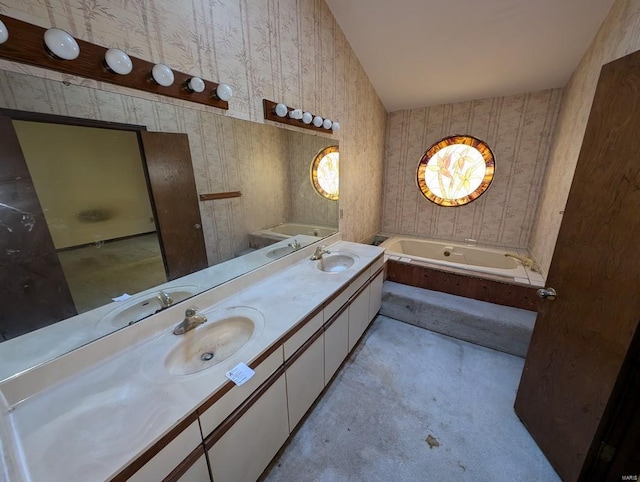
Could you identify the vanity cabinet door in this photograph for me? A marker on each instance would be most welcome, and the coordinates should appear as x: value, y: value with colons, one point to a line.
x: 336, y: 343
x: 375, y: 295
x: 358, y: 316
x: 305, y: 379
x: 247, y: 447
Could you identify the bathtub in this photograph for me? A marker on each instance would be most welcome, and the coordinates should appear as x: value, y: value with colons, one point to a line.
x: 477, y: 259
x: 265, y: 237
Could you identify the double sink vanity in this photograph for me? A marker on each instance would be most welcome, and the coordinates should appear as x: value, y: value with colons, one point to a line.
x: 153, y: 402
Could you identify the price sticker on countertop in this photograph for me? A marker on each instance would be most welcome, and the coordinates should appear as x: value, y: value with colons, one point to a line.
x: 240, y: 374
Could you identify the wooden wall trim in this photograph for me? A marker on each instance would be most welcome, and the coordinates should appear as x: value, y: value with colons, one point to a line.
x: 26, y: 45
x: 220, y: 195
x: 467, y: 285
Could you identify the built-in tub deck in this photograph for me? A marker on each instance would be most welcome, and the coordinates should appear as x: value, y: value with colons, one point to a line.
x: 505, y: 282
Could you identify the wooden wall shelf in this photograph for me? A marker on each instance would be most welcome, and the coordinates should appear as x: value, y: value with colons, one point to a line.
x: 270, y: 114
x: 26, y: 45
x: 220, y: 195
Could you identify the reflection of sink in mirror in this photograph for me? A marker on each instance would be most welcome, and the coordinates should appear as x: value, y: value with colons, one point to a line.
x: 278, y: 252
x: 140, y: 307
x: 336, y: 262
x: 224, y: 334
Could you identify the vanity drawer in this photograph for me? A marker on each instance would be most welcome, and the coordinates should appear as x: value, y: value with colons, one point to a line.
x: 377, y: 264
x: 302, y: 335
x: 221, y: 409
x: 163, y: 463
x: 334, y: 305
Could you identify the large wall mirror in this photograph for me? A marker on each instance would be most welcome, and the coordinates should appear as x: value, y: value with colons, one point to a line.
x: 102, y: 227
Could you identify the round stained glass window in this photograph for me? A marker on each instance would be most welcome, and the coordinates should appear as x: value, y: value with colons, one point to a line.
x: 455, y: 170
x: 325, y: 172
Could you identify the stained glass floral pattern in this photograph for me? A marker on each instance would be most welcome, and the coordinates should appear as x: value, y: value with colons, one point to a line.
x: 325, y: 172
x: 456, y: 170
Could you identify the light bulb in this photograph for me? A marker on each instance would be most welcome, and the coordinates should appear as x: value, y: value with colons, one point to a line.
x: 4, y: 32
x: 224, y: 92
x: 61, y: 44
x: 196, y: 84
x: 317, y: 121
x: 118, y: 62
x: 336, y: 126
x: 327, y: 124
x: 307, y: 117
x: 281, y: 110
x: 296, y: 114
x: 163, y: 75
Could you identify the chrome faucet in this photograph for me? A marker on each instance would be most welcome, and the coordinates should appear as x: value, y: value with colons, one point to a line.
x: 165, y: 300
x: 527, y: 262
x: 191, y: 320
x: 295, y: 245
x: 320, y: 251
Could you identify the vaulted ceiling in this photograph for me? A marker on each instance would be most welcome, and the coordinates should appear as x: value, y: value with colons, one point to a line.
x: 428, y: 52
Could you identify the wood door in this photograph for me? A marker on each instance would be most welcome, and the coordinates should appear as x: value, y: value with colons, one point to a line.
x: 173, y: 188
x: 572, y: 374
x: 34, y: 291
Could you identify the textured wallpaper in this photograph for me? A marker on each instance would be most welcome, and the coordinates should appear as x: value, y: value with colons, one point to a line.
x: 285, y: 50
x: 618, y: 36
x: 517, y: 128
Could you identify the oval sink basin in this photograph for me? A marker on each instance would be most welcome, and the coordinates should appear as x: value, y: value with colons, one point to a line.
x: 336, y: 262
x: 279, y: 252
x: 225, y: 333
x: 139, y: 307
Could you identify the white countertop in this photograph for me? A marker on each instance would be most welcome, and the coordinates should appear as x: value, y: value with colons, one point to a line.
x: 92, y: 425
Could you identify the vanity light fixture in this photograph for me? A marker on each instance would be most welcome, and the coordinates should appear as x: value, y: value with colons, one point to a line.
x: 224, y: 92
x: 162, y: 75
x: 4, y: 32
x: 118, y: 62
x: 281, y: 110
x: 61, y: 44
x: 195, y: 84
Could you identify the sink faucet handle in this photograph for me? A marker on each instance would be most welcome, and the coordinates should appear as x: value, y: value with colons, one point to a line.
x: 165, y: 299
x: 189, y: 312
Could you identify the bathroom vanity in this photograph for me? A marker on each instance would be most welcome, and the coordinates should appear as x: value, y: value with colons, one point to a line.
x: 144, y: 404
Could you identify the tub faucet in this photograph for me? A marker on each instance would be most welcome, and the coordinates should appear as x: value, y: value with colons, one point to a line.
x: 165, y: 300
x: 295, y: 245
x: 191, y: 320
x: 320, y: 251
x: 527, y: 262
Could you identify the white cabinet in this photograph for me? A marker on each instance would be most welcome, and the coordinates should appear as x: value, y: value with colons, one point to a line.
x: 245, y: 450
x: 336, y: 343
x: 375, y: 295
x: 198, y: 472
x: 358, y: 316
x: 305, y: 380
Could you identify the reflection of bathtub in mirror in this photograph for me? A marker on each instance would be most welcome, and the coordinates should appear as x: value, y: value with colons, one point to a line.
x: 265, y: 237
x: 31, y: 349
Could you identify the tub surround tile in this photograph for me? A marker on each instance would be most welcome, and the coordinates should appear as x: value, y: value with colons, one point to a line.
x: 128, y: 399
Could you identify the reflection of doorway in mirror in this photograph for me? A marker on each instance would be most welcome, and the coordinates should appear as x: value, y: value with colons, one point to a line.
x: 92, y: 188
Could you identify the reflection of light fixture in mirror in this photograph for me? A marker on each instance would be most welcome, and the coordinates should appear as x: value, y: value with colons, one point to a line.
x: 317, y: 121
x: 327, y: 124
x: 118, y: 62
x: 307, y: 117
x: 224, y: 92
x: 281, y: 110
x: 4, y: 32
x: 335, y: 126
x: 61, y: 44
x: 163, y: 75
x: 195, y: 84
